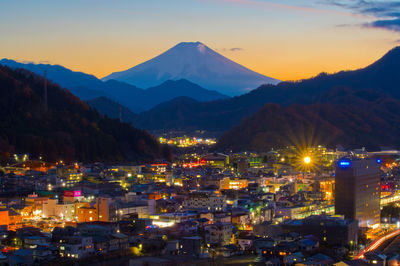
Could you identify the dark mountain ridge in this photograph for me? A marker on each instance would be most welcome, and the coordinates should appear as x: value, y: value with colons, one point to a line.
x: 68, y: 130
x: 381, y: 76
x: 352, y: 119
x: 87, y: 87
x: 112, y: 109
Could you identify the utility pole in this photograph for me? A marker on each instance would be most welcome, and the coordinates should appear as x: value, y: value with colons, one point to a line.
x: 45, y: 91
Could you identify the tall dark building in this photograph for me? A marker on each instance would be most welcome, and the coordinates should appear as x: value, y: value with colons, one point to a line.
x: 357, y: 192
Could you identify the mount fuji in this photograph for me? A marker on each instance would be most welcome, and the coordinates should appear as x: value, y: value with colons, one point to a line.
x: 196, y: 62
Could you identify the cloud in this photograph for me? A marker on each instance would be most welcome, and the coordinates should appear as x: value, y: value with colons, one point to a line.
x: 343, y: 25
x: 28, y: 62
x: 385, y: 14
x: 390, y: 24
x: 268, y: 5
x: 36, y: 62
x: 233, y: 49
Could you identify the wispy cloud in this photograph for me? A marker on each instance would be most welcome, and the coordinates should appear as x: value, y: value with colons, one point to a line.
x: 233, y: 49
x: 36, y: 62
x: 343, y: 25
x: 390, y: 24
x: 386, y: 14
x: 269, y: 5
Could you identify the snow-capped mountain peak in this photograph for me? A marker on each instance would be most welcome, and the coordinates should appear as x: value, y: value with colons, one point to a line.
x: 198, y: 63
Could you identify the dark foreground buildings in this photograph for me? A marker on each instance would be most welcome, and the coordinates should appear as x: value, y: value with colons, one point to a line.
x: 327, y: 229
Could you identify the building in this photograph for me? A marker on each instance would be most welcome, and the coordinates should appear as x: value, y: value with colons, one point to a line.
x: 357, y: 192
x: 72, y: 179
x: 66, y: 211
x: 4, y: 219
x: 327, y: 187
x: 139, y: 208
x: 169, y: 219
x: 219, y: 234
x: 191, y: 245
x: 328, y: 229
x: 236, y: 183
x: 301, y: 211
x: 76, y: 247
x: 9, y: 219
x: 205, y: 200
x: 105, y: 209
x: 216, y: 160
x: 87, y: 214
x: 49, y: 207
x: 72, y: 196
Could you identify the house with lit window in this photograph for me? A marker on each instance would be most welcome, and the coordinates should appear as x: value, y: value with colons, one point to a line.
x: 228, y: 183
x: 205, y: 200
x: 76, y: 247
x: 219, y: 234
x: 87, y: 214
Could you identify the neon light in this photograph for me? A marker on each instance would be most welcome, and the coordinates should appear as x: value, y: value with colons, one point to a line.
x: 344, y: 163
x: 72, y: 193
x: 378, y: 160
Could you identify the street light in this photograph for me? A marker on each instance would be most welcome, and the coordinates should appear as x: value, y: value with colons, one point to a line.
x: 307, y: 160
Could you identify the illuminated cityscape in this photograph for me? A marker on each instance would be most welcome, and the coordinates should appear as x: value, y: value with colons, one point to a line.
x: 200, y: 133
x: 217, y: 206
x: 187, y: 142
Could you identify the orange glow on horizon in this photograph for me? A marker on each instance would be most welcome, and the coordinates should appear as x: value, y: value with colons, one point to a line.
x: 284, y: 62
x: 286, y: 41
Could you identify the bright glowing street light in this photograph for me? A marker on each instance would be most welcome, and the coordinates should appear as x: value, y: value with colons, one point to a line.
x: 307, y: 160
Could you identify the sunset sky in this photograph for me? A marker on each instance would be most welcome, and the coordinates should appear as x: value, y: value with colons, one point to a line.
x: 284, y: 39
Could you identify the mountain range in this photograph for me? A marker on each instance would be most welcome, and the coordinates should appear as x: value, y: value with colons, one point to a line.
x: 65, y: 128
x: 221, y: 115
x: 87, y: 87
x: 165, y: 77
x: 198, y: 63
x: 349, y: 118
x: 351, y: 108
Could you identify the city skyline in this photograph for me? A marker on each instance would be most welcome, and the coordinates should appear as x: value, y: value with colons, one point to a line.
x: 200, y: 132
x: 280, y: 39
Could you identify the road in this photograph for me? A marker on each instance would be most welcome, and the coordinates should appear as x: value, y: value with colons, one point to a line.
x: 392, y: 245
x: 377, y: 243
